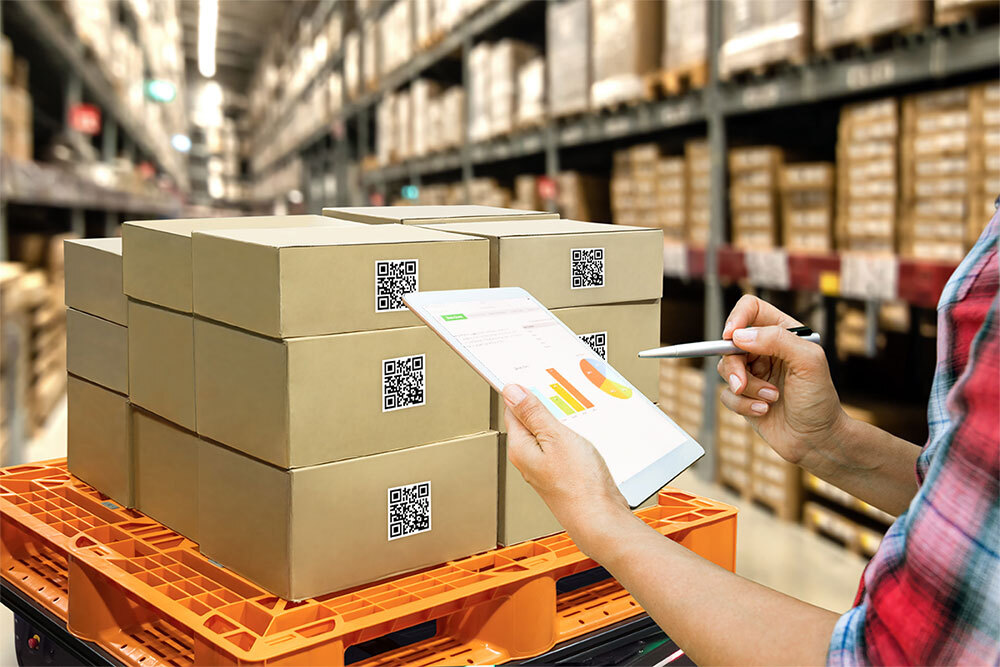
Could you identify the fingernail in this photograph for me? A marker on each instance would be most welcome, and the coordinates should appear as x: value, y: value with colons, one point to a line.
x: 745, y: 335
x: 758, y: 407
x: 727, y: 328
x: 513, y: 394
x: 734, y: 383
x: 768, y: 394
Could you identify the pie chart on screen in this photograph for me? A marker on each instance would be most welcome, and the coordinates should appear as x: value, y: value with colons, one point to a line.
x: 605, y: 378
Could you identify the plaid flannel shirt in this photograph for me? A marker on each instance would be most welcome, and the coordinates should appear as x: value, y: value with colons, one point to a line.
x: 931, y: 594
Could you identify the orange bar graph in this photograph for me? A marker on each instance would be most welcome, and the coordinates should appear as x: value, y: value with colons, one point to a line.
x: 570, y: 388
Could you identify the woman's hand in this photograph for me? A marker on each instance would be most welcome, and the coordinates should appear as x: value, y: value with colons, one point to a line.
x: 564, y: 468
x: 782, y: 386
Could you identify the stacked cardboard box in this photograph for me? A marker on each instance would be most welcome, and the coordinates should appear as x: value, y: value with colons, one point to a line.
x: 807, y: 206
x: 15, y: 357
x: 734, y: 444
x: 16, y: 120
x: 99, y: 446
x: 422, y: 92
x: 526, y: 194
x: 479, y: 92
x: 939, y: 172
x: 616, y: 317
x: 485, y: 191
x: 775, y: 482
x: 753, y: 196
x: 431, y: 215
x: 395, y: 32
x: 685, y: 42
x: 582, y: 196
x: 985, y: 191
x: 671, y: 197
x: 837, y: 23
x: 370, y: 58
x: 634, y: 185
x: 621, y: 65
x: 567, y: 23
x: 531, y: 93
x: 506, y: 59
x: 867, y: 193
x: 697, y: 165
x: 757, y: 34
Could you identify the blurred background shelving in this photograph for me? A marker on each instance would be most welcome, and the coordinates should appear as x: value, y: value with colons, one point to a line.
x: 836, y: 157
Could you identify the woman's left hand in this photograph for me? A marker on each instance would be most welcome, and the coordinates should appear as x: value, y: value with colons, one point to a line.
x: 563, y: 467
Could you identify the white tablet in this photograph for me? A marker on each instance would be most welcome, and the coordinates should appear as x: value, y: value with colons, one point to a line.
x: 509, y: 337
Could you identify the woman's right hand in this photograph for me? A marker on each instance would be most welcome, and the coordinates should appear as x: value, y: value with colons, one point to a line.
x: 782, y: 385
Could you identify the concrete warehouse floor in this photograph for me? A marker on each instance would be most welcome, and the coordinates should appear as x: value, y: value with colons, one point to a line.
x: 775, y: 553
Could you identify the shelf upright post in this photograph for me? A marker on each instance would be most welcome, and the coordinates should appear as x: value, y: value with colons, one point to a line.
x: 717, y: 225
x: 466, y: 152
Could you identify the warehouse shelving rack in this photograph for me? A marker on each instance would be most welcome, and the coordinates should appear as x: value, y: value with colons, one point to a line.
x: 82, y: 79
x: 936, y: 54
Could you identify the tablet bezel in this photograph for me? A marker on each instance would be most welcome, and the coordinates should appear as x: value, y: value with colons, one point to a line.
x: 636, y: 489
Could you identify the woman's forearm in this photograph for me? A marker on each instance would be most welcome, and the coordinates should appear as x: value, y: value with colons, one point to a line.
x: 716, y: 616
x: 868, y: 463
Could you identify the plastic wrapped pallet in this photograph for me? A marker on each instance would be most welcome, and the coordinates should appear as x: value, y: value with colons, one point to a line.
x: 753, y: 196
x: 335, y: 92
x: 757, y: 34
x: 352, y: 64
x: 479, y: 91
x: 370, y: 59
x: 452, y: 121
x: 955, y: 11
x: 626, y: 47
x: 423, y: 19
x: 840, y: 22
x: 685, y: 35
x: 531, y: 93
x: 385, y: 131
x: 423, y: 91
x: 505, y: 61
x: 395, y: 37
x: 404, y: 125
x: 568, y: 56
x: 867, y: 192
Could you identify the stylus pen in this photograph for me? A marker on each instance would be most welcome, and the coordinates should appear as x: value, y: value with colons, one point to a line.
x: 709, y: 348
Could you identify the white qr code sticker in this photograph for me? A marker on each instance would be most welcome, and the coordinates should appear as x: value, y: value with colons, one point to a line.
x: 394, y: 279
x: 586, y: 268
x: 598, y: 342
x: 404, y: 383
x: 409, y: 510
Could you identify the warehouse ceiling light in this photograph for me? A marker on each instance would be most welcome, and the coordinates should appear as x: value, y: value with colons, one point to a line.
x: 208, y: 23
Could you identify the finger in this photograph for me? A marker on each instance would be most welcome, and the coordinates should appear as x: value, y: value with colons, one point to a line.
x: 777, y: 341
x: 741, y: 405
x: 761, y: 367
x: 529, y: 410
x: 732, y: 368
x: 751, y: 311
x: 760, y: 389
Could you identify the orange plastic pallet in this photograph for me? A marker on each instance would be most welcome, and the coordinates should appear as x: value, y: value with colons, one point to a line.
x: 146, y: 595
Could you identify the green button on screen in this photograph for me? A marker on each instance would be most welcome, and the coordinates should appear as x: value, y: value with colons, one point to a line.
x: 452, y: 318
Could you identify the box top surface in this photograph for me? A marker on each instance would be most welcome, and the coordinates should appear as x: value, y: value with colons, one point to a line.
x: 510, y: 228
x: 184, y: 227
x: 400, y: 213
x: 354, y: 234
x: 112, y: 244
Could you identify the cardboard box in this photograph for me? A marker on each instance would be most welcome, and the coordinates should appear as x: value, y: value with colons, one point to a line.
x: 156, y: 261
x: 161, y: 362
x: 299, y: 533
x: 326, y: 398
x: 98, y: 438
x: 521, y: 513
x: 166, y: 473
x: 307, y: 282
x: 617, y: 333
x: 613, y: 263
x: 97, y: 350
x: 429, y: 215
x: 94, y: 278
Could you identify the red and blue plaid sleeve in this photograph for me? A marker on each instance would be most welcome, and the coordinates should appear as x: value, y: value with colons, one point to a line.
x: 931, y: 594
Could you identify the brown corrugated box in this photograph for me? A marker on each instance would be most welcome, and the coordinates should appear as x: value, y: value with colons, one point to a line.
x: 99, y: 441
x: 156, y: 257
x: 94, y: 278
x: 305, y: 282
x: 161, y: 362
x: 166, y: 473
x: 289, y: 531
x: 539, y: 256
x: 306, y: 401
x: 429, y: 215
x: 624, y: 329
x: 97, y: 350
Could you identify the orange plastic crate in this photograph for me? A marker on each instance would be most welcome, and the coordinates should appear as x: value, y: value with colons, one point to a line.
x: 147, y: 596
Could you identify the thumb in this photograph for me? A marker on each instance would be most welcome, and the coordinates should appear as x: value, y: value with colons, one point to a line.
x: 529, y: 410
x: 775, y: 341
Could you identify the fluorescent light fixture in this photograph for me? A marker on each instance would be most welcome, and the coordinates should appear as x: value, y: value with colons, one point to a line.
x: 181, y: 142
x: 208, y: 24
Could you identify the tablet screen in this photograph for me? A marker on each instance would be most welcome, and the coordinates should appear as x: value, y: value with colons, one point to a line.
x: 517, y: 340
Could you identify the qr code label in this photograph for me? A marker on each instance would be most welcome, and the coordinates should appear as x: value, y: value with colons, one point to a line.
x: 394, y: 279
x: 409, y: 510
x: 586, y: 268
x: 404, y: 383
x: 598, y: 342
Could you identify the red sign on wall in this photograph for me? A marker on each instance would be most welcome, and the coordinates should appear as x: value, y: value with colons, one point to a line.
x: 85, y: 118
